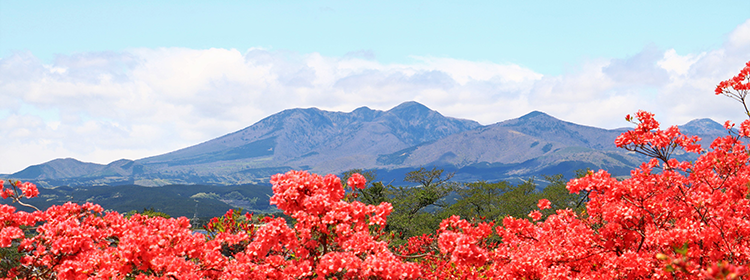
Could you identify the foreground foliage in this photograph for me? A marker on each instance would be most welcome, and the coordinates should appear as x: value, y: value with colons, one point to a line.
x: 671, y: 219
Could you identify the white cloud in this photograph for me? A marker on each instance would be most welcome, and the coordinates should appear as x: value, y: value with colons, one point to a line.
x: 677, y: 64
x: 640, y: 69
x: 678, y: 88
x: 740, y: 37
x: 464, y: 71
x: 101, y: 107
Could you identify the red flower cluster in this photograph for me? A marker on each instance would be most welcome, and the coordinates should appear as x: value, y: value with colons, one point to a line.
x: 357, y: 181
x: 649, y: 140
x: 332, y: 238
x: 738, y: 86
x: 27, y: 189
x: 335, y: 237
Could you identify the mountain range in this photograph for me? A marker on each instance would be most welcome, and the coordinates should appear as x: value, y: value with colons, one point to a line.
x: 391, y: 142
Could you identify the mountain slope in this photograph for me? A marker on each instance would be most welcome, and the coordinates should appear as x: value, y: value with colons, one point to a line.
x: 312, y: 139
x: 543, y: 126
x: 294, y: 133
x: 534, y: 144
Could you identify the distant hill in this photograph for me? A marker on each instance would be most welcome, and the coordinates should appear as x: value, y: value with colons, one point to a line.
x: 59, y: 168
x: 199, y: 201
x: 393, y: 142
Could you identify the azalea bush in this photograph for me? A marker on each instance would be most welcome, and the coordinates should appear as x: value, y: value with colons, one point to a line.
x: 671, y: 219
x: 331, y: 238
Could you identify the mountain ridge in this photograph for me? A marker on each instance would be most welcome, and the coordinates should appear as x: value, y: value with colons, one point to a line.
x: 407, y: 136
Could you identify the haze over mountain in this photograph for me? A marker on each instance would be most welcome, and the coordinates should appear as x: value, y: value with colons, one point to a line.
x: 393, y: 142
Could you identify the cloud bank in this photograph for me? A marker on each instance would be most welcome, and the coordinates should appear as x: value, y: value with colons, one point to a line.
x: 104, y: 106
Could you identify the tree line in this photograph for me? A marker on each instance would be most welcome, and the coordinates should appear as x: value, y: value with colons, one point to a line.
x: 419, y: 209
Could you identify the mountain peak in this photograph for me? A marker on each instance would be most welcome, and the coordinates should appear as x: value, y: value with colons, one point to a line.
x: 410, y: 106
x: 362, y: 109
x: 703, y: 122
x: 703, y: 126
x: 63, y: 161
x: 536, y: 115
x: 413, y: 112
x: 58, y: 168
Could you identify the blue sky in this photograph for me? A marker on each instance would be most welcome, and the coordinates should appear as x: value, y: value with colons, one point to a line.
x: 104, y: 80
x: 547, y: 36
